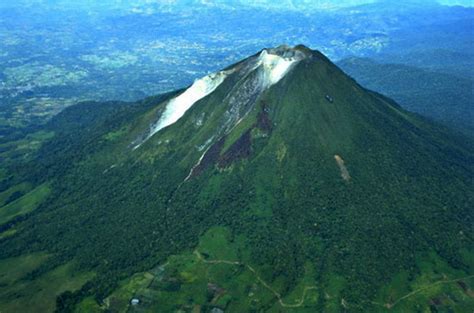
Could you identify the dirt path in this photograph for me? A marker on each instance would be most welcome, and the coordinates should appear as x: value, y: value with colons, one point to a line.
x: 414, y: 292
x: 299, y: 303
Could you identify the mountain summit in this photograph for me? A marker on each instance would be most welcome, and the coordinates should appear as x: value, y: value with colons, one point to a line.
x: 278, y: 184
x: 250, y: 79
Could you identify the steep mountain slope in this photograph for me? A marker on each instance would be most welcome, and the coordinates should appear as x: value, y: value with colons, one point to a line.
x: 278, y: 184
x: 443, y: 97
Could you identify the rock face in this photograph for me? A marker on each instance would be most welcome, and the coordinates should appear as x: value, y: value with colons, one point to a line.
x: 177, y: 106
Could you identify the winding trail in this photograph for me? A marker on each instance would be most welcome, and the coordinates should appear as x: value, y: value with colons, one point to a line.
x: 416, y: 291
x: 299, y: 303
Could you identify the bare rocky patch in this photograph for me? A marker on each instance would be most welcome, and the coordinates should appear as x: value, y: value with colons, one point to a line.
x: 344, y: 172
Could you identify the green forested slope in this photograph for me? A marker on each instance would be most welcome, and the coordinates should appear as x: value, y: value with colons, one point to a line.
x: 432, y: 93
x: 307, y: 205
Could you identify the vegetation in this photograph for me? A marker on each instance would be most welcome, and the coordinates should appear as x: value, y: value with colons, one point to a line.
x: 13, y: 193
x: 441, y: 96
x: 20, y: 293
x: 19, y: 205
x: 273, y: 228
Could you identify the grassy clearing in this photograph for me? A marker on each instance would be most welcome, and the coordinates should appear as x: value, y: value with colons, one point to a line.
x: 8, y: 233
x: 218, y: 244
x: 88, y: 305
x: 7, y: 194
x: 30, y: 143
x: 438, y: 286
x: 22, y: 295
x: 14, y: 269
x: 114, y: 135
x: 25, y: 204
x: 120, y: 299
x: 34, y: 141
x: 332, y: 294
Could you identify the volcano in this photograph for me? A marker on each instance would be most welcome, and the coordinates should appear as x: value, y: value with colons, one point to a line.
x: 278, y: 184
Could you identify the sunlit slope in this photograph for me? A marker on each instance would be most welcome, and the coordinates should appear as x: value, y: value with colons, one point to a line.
x: 293, y: 179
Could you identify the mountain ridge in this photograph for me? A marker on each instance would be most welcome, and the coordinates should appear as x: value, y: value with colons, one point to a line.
x: 440, y: 96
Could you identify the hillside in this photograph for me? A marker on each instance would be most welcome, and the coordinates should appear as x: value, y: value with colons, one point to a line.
x: 443, y: 97
x: 278, y: 184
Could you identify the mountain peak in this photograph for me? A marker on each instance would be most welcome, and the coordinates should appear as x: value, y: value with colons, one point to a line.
x: 280, y: 166
x: 288, y: 52
x: 250, y: 78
